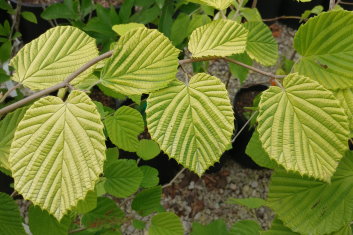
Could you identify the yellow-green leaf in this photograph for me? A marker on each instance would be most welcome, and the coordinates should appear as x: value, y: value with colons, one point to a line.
x: 144, y: 60
x: 218, y: 38
x: 53, y: 56
x: 218, y: 4
x: 325, y: 44
x: 121, y: 29
x: 192, y: 123
x: 7, y: 129
x: 261, y: 46
x: 303, y: 127
x: 58, y: 151
x: 345, y: 96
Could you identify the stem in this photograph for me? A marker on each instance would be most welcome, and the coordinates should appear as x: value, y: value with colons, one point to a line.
x: 238, y: 9
x: 253, y: 68
x: 332, y: 4
x: 175, y: 177
x: 56, y: 87
x: 241, y: 130
x: 13, y: 194
x: 77, y: 230
x: 282, y: 17
x: 345, y: 3
x: 66, y: 82
x: 254, y: 3
x: 9, y: 92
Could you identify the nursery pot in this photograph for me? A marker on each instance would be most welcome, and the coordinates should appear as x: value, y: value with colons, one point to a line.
x: 295, y: 8
x: 267, y: 8
x: 244, y: 98
x: 28, y: 29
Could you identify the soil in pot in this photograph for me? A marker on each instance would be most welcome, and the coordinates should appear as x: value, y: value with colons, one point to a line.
x: 243, y: 99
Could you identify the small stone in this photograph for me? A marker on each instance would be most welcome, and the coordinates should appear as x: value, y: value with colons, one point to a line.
x: 233, y: 187
x: 254, y: 184
x: 191, y: 185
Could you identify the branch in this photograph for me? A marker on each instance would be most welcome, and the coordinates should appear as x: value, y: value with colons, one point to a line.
x: 282, y: 17
x: 9, y: 92
x: 56, y: 87
x: 175, y: 177
x: 66, y: 82
x: 332, y: 4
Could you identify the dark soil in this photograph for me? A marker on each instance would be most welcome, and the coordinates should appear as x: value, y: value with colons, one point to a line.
x: 98, y: 95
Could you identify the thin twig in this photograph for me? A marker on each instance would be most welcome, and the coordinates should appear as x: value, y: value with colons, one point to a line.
x: 56, y: 87
x: 77, y: 230
x: 175, y: 177
x: 253, y: 68
x: 238, y: 9
x: 13, y: 194
x: 332, y: 4
x: 345, y: 3
x: 282, y: 17
x: 9, y: 92
x: 254, y: 3
x: 241, y: 130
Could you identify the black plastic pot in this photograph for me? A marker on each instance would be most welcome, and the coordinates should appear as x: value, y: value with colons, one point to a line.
x: 4, y: 16
x: 28, y: 29
x: 295, y: 8
x: 267, y: 8
x: 244, y: 98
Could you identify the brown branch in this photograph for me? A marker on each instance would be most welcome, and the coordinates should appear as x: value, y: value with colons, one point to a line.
x: 9, y: 92
x: 175, y: 177
x: 66, y: 82
x: 345, y: 3
x: 282, y: 17
x: 56, y: 87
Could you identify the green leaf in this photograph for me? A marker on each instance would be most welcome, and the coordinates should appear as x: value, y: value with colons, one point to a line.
x: 138, y: 224
x: 87, y: 204
x: 148, y: 149
x: 313, y: 207
x: 124, y: 127
x: 178, y: 32
x: 144, y: 61
x: 7, y: 129
x: 48, y: 59
x: 326, y: 49
x: 303, y: 127
x: 112, y: 155
x: 29, y: 16
x: 200, y: 113
x: 345, y: 230
x: 147, y: 201
x: 238, y: 71
x: 218, y: 4
x: 215, y: 227
x: 245, y: 227
x: 218, y: 38
x: 345, y: 96
x: 122, y: 29
x: 123, y: 178
x: 166, y: 223
x: 64, y: 144
x: 10, y: 218
x: 5, y: 51
x: 60, y: 11
x: 3, y: 76
x: 106, y: 214
x: 166, y: 17
x: 251, y: 14
x: 197, y: 21
x: 251, y: 202
x: 261, y: 46
x: 255, y: 150
x: 150, y: 176
x: 278, y: 228
x: 41, y: 222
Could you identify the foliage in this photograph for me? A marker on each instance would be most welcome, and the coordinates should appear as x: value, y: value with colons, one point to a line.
x: 56, y: 147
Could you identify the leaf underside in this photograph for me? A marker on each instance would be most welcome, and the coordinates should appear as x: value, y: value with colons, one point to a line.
x: 218, y: 38
x: 58, y: 151
x: 303, y: 127
x: 144, y: 60
x: 186, y: 121
x: 53, y: 56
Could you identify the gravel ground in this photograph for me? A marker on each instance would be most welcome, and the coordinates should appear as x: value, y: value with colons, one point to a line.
x: 203, y: 199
